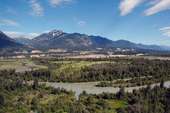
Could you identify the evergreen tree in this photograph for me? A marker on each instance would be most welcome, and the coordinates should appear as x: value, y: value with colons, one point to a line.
x: 2, y: 100
x: 121, y: 93
x: 35, y: 84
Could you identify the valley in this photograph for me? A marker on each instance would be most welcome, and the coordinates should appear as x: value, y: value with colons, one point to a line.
x: 75, y: 85
x: 84, y: 56
x: 59, y: 72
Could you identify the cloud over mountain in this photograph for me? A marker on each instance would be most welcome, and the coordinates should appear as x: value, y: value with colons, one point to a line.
x: 58, y: 2
x: 37, y: 9
x: 8, y: 22
x: 158, y: 6
x: 165, y: 31
x: 14, y: 34
x: 127, y: 6
x: 155, y: 6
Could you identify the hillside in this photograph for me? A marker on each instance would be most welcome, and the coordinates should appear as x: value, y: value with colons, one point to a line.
x: 9, y: 45
x: 6, y: 41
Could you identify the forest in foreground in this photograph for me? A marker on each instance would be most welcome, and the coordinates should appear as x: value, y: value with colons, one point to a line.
x: 26, y: 92
x: 20, y: 96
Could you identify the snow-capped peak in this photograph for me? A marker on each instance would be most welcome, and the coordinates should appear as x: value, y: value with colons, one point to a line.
x: 56, y: 33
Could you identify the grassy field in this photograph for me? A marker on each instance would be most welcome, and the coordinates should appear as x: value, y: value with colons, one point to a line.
x: 72, y: 67
x: 20, y: 65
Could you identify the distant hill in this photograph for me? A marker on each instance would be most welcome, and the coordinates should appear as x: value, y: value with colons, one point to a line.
x: 9, y: 45
x: 24, y: 41
x: 6, y: 41
x: 128, y: 44
x: 77, y: 41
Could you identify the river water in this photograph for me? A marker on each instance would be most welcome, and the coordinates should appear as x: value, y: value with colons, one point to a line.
x: 90, y: 87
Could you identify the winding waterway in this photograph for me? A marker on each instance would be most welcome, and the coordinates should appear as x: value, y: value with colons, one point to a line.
x: 90, y: 87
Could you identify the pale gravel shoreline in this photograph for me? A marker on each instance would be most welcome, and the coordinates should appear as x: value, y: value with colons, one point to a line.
x: 90, y: 87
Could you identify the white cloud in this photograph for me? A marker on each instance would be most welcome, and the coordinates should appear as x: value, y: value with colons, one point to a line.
x: 127, y: 6
x: 14, y: 34
x: 8, y: 22
x: 158, y: 6
x: 153, y: 2
x: 81, y: 23
x: 58, y: 2
x: 37, y: 9
x: 165, y: 31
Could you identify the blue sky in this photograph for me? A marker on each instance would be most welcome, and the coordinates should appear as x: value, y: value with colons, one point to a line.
x: 140, y: 21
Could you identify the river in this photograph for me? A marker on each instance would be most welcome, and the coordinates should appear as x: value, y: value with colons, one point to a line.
x: 90, y: 87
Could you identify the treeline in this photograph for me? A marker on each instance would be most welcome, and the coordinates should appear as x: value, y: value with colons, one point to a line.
x: 115, y: 68
x: 41, y: 75
x: 121, y: 69
x: 153, y: 70
x: 132, y: 69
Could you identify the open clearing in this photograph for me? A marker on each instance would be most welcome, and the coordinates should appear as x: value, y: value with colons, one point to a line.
x: 20, y: 65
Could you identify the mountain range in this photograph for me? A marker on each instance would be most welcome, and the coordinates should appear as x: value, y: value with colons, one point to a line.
x: 70, y: 41
x: 57, y: 39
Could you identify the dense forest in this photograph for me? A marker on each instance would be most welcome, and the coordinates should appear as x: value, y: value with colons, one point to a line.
x: 126, y: 72
x: 24, y: 92
x: 20, y: 96
x: 136, y: 70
